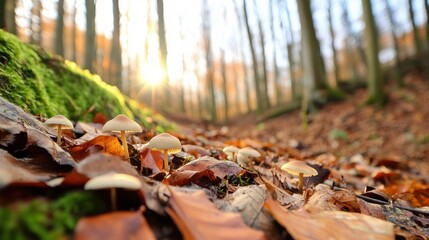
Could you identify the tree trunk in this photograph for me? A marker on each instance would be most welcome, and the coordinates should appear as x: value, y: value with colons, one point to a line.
x: 375, y: 78
x: 209, y: 61
x: 290, y: 47
x: 36, y: 26
x: 427, y: 22
x: 276, y: 83
x: 264, y: 87
x: 397, y: 66
x: 74, y: 32
x: 224, y: 86
x: 334, y: 51
x: 3, y: 14
x: 59, y: 29
x: 90, y: 37
x: 417, y: 42
x: 163, y: 49
x: 115, y: 69
x: 10, y: 16
x: 256, y: 76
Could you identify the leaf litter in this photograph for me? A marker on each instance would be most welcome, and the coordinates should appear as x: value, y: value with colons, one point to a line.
x: 365, y: 186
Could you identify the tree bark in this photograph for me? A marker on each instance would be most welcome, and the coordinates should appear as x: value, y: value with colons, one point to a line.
x: 224, y: 86
x: 397, y: 66
x: 417, y: 42
x: 59, y: 29
x: 163, y: 49
x: 10, y: 16
x: 375, y: 76
x: 3, y: 14
x: 334, y: 51
x: 115, y: 69
x: 36, y: 27
x: 209, y: 61
x: 256, y: 76
x: 276, y: 81
x: 90, y: 37
x: 74, y: 32
x: 290, y: 55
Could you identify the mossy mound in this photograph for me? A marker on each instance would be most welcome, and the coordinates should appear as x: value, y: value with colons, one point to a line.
x: 45, y: 84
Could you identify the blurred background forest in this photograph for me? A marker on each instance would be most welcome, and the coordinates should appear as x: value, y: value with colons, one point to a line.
x: 218, y: 59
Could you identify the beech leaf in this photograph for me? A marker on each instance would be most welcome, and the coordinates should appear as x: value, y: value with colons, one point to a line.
x: 330, y: 224
x: 116, y: 225
x: 198, y: 218
x: 102, y: 143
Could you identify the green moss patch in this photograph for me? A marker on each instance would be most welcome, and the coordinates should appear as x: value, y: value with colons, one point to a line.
x: 45, y: 84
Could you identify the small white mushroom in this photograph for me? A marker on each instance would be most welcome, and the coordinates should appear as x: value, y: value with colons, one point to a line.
x: 112, y: 181
x: 231, y: 151
x: 247, y: 154
x: 122, y: 124
x: 59, y: 122
x: 167, y: 144
x: 301, y: 169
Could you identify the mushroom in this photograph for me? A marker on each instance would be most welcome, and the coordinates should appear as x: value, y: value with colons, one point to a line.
x: 112, y: 181
x: 301, y: 169
x: 231, y: 151
x: 246, y: 154
x: 59, y: 122
x: 122, y: 124
x: 167, y: 144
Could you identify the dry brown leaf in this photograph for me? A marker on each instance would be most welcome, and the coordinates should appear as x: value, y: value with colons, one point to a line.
x: 101, y: 163
x: 325, y: 199
x: 116, y: 225
x: 198, y: 218
x: 330, y: 224
x: 195, y: 150
x: 220, y: 168
x: 103, y: 143
x: 151, y: 162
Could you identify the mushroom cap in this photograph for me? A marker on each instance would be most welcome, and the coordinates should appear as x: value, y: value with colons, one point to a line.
x: 113, y: 180
x: 165, y: 141
x: 296, y: 167
x: 54, y: 121
x: 121, y: 123
x: 249, y: 152
x: 230, y: 150
x: 242, y: 159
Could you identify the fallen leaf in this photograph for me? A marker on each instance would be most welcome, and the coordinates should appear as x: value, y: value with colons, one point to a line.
x: 101, y: 163
x: 325, y: 199
x: 204, y: 178
x: 16, y: 114
x: 220, y: 168
x: 195, y: 150
x: 330, y: 224
x: 151, y: 162
x: 198, y: 218
x: 115, y: 225
x: 103, y: 143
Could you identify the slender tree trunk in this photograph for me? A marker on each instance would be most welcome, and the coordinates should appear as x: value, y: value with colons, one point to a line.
x: 375, y: 75
x: 224, y: 86
x: 36, y: 27
x: 256, y: 76
x: 350, y: 58
x: 74, y: 32
x: 90, y: 36
x: 427, y: 21
x: 115, y: 69
x: 3, y: 14
x: 209, y: 61
x: 397, y: 66
x: 334, y: 51
x: 290, y: 55
x: 417, y: 42
x: 276, y: 83
x: 182, y: 104
x: 163, y: 49
x: 59, y: 29
x: 10, y: 16
x: 264, y: 87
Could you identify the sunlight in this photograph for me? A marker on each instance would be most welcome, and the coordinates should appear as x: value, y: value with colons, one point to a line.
x: 190, y: 81
x: 152, y: 72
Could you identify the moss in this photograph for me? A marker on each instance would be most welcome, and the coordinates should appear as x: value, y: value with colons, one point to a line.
x: 41, y: 83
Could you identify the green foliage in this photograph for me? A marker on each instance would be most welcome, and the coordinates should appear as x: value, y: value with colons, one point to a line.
x: 44, y: 84
x: 40, y: 219
x: 336, y: 134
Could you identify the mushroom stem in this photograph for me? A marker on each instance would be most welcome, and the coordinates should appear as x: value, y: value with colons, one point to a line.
x: 166, y: 167
x: 59, y: 134
x: 113, y: 198
x: 125, y: 146
x: 301, y: 182
x: 234, y: 157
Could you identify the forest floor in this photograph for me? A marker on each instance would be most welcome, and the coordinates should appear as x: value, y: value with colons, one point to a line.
x: 371, y: 176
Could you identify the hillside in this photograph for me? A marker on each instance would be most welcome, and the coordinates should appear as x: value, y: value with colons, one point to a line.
x: 44, y: 84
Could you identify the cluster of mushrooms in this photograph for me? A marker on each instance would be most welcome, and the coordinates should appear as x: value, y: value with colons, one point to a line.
x: 167, y: 144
